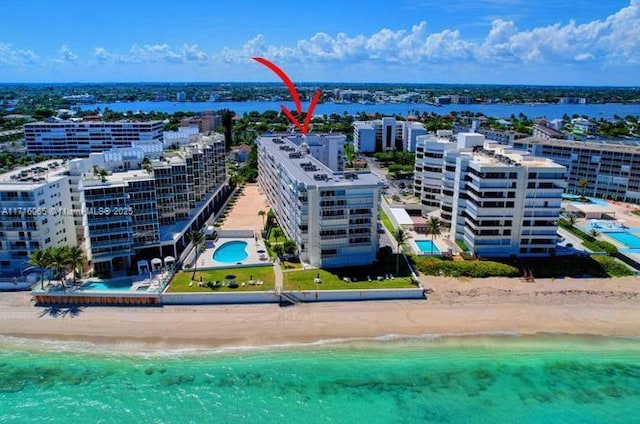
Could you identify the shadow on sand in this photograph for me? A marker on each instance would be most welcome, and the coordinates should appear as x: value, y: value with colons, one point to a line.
x: 60, y: 312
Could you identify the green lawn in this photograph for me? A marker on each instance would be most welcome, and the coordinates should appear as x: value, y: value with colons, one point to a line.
x: 386, y: 221
x: 180, y: 283
x: 271, y: 235
x: 332, y: 280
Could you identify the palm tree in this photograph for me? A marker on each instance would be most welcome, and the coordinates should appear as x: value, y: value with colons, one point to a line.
x: 276, y: 233
x: 198, y: 240
x: 262, y: 214
x: 401, y: 237
x: 434, y: 227
x: 582, y: 184
x: 58, y: 257
x: 572, y: 218
x: 74, y: 260
x: 40, y: 259
x: 594, y: 233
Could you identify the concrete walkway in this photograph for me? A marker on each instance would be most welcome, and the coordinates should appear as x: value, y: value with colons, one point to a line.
x: 279, y: 278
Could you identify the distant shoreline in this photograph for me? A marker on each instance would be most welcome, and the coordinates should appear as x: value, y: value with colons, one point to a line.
x: 550, y: 110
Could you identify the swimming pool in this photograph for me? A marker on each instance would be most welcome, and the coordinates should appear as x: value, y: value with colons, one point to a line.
x: 231, y: 252
x: 110, y: 286
x: 426, y: 246
x: 604, y: 226
x: 628, y: 239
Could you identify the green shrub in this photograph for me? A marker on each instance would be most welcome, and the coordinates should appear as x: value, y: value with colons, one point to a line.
x: 607, y: 247
x: 461, y: 244
x: 612, y: 267
x: 475, y: 269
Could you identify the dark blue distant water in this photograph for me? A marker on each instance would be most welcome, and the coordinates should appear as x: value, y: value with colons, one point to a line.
x: 550, y: 111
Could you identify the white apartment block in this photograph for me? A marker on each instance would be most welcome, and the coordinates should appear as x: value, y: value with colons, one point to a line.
x: 410, y: 133
x: 499, y: 201
x: 504, y: 203
x: 146, y: 204
x: 386, y: 134
x: 80, y: 139
x: 327, y: 148
x: 32, y: 202
x: 611, y: 168
x: 331, y: 215
x: 427, y: 184
x: 117, y: 205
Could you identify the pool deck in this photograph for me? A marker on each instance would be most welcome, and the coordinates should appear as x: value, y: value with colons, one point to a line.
x: 206, y: 261
x: 138, y: 282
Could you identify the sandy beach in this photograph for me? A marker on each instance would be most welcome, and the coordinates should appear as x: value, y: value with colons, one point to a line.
x: 454, y: 307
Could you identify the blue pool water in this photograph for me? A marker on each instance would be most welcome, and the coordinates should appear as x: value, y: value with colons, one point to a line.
x: 231, y: 252
x: 628, y: 239
x: 122, y: 285
x: 425, y: 246
x: 604, y: 226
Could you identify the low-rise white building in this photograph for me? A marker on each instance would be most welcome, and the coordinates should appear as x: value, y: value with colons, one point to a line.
x: 331, y: 215
x: 80, y: 139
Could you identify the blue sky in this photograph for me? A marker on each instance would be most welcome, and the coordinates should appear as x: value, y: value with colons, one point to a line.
x: 579, y: 42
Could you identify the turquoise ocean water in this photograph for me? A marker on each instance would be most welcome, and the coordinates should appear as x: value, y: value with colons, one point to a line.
x: 495, y: 379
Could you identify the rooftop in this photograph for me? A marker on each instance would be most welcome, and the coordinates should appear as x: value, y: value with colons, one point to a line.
x: 626, y: 146
x: 35, y: 175
x: 307, y: 169
x: 492, y: 154
x: 60, y: 122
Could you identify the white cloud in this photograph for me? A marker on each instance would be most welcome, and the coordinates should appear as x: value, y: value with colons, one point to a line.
x: 67, y: 55
x: 10, y: 57
x: 614, y: 39
x: 193, y: 53
x: 583, y: 57
x: 152, y: 53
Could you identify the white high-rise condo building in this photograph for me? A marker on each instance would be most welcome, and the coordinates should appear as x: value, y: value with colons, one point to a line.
x: 381, y: 135
x: 32, y: 202
x: 143, y: 205
x: 117, y: 205
x: 501, y: 202
x: 80, y: 139
x: 610, y: 168
x: 427, y: 185
x: 331, y: 215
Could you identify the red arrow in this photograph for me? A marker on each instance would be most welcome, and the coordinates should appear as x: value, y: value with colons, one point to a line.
x: 294, y: 95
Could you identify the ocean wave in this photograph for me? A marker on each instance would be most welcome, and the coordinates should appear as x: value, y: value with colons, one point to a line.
x: 144, y: 350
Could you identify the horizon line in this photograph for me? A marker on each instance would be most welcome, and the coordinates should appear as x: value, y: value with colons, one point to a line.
x: 636, y: 87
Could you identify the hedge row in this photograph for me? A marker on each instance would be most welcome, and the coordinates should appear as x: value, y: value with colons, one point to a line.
x: 476, y: 269
x: 612, y: 267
